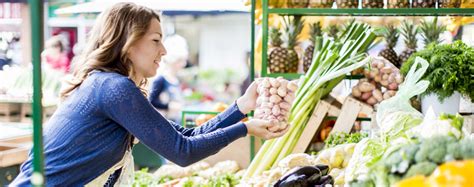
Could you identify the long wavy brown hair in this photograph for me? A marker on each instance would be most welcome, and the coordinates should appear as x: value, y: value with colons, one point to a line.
x: 109, y: 40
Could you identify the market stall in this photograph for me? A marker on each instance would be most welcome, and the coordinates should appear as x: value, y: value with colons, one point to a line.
x: 372, y: 100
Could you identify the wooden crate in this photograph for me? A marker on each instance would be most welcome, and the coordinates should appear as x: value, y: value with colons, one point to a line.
x: 12, y: 154
x: 346, y: 117
x: 238, y: 150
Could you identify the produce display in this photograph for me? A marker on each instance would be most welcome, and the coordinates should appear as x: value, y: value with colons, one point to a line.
x: 398, y: 4
x: 330, y: 65
x: 372, y: 3
x: 275, y: 97
x: 285, y: 59
x: 201, y: 174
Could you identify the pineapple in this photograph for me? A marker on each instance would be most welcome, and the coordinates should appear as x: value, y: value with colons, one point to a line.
x: 333, y: 31
x: 390, y: 33
x: 409, y: 32
x: 398, y: 3
x: 449, y: 3
x: 277, y: 55
x: 430, y: 31
x: 308, y: 53
x: 292, y: 30
x: 285, y: 60
x: 297, y: 3
x: 423, y: 3
x: 347, y: 3
x: 372, y: 4
x: 320, y: 3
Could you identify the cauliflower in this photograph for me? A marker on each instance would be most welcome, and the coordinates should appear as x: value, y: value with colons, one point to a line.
x: 295, y: 160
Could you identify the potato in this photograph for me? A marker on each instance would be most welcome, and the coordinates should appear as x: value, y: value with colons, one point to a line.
x: 380, y: 65
x: 384, y: 83
x: 371, y: 101
x: 399, y: 79
x: 393, y: 86
x: 366, y: 95
x: 275, y: 83
x: 366, y: 87
x: 275, y: 99
x: 378, y: 78
x: 273, y: 91
x: 377, y: 94
x: 372, y: 74
x: 391, y: 78
x: 356, y: 92
x: 385, y: 77
x: 386, y: 70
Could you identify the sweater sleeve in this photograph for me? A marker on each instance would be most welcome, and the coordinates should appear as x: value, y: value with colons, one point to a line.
x: 122, y: 101
x: 157, y: 87
x: 224, y: 119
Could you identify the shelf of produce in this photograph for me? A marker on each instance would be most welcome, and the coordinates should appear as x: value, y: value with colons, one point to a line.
x: 374, y: 12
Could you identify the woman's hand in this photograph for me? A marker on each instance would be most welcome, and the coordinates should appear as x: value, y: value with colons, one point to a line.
x: 248, y: 101
x: 259, y: 128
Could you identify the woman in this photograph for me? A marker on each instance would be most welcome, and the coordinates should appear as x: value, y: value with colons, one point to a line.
x: 87, y: 141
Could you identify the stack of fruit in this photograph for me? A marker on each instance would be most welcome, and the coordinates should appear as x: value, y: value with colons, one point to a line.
x: 423, y: 3
x: 449, y: 3
x: 398, y: 3
x: 275, y: 96
x: 320, y: 3
x: 372, y: 4
x: 297, y: 3
x: 347, y: 3
x: 285, y: 59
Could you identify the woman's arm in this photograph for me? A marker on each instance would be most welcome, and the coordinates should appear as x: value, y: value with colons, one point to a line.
x: 157, y: 87
x: 224, y: 119
x: 123, y: 102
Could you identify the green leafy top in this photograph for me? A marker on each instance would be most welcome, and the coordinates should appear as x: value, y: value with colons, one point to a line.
x: 333, y: 31
x: 431, y: 30
x: 390, y: 33
x: 409, y: 32
x: 275, y: 37
x: 343, y: 138
x: 451, y: 68
x: 315, y: 31
x: 293, y: 28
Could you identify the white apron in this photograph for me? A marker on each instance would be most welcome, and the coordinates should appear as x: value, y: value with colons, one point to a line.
x: 126, y: 176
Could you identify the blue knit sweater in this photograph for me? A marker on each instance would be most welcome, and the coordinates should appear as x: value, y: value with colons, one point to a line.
x: 92, y: 129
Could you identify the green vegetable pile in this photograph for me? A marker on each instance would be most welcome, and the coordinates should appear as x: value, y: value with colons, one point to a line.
x: 343, y: 138
x: 419, y: 157
x: 144, y: 179
x: 451, y: 68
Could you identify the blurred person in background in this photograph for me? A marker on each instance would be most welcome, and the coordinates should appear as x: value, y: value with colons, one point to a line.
x: 54, y: 55
x: 166, y: 87
x: 104, y: 109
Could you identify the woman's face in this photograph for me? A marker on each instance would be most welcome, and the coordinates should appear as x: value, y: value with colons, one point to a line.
x: 146, y: 52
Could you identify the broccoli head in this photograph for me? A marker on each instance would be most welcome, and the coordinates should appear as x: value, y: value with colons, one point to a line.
x: 422, y: 168
x: 433, y: 149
